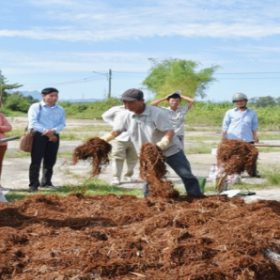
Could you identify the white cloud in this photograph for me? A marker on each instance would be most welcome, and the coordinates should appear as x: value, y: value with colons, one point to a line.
x: 213, y: 30
x: 109, y: 20
x: 72, y: 62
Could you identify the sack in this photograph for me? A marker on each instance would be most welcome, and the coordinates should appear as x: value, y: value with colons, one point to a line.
x: 26, y: 141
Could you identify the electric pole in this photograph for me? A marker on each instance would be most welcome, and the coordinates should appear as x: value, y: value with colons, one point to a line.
x: 110, y: 83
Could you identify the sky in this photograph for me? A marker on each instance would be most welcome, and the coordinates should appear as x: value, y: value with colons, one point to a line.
x: 72, y: 44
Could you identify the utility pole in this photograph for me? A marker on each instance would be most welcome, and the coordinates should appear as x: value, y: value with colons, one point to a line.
x: 110, y: 83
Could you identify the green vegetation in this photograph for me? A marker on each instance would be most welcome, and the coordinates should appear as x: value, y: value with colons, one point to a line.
x: 177, y: 74
x: 13, y: 99
x: 211, y: 114
x: 165, y: 76
x: 89, y: 187
x: 205, y: 115
x: 92, y: 110
x: 272, y: 175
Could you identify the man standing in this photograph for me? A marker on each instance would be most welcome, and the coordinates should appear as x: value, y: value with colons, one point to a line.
x: 46, y: 120
x: 150, y: 124
x: 122, y: 150
x: 241, y: 122
x: 176, y: 112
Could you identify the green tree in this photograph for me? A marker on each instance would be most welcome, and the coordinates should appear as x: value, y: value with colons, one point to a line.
x: 265, y: 101
x: 5, y: 87
x: 17, y: 102
x: 176, y: 74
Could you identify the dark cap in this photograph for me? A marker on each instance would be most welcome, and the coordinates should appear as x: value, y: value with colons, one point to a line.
x: 175, y: 94
x: 132, y: 94
x: 49, y: 90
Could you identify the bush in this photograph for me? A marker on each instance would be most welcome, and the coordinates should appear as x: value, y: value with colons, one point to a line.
x: 92, y: 110
x: 18, y: 102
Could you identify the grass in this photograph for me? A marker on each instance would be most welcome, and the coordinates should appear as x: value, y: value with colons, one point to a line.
x: 198, y: 148
x: 16, y: 154
x: 89, y: 187
x: 272, y: 175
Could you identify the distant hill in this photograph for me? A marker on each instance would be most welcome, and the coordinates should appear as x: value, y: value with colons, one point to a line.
x: 82, y: 100
x: 35, y: 94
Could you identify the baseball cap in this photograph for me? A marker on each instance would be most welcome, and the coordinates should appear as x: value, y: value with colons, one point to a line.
x: 132, y: 94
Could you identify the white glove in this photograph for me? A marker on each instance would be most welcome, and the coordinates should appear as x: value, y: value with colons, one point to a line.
x: 163, y: 143
x: 108, y: 137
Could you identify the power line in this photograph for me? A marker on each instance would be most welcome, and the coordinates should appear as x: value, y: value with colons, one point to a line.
x: 108, y: 75
x: 251, y: 78
x: 246, y: 73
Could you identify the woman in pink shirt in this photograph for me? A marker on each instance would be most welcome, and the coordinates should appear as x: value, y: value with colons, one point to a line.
x: 5, y: 126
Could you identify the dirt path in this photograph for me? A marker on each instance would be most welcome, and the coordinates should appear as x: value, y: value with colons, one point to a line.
x: 15, y: 169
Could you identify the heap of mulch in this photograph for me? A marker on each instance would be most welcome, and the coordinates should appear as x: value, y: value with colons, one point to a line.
x: 153, y: 171
x: 112, y: 237
x: 236, y: 156
x: 95, y: 149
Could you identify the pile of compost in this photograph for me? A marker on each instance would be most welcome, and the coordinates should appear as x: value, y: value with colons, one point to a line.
x: 111, y: 237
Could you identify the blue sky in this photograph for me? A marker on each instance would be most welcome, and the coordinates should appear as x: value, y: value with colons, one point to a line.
x: 71, y: 44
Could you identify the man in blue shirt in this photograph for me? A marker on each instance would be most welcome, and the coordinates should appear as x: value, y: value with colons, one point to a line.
x: 46, y: 120
x: 241, y: 122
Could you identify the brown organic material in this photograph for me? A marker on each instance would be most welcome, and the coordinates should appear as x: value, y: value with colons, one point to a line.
x: 112, y: 237
x: 237, y: 156
x: 153, y: 170
x: 95, y: 149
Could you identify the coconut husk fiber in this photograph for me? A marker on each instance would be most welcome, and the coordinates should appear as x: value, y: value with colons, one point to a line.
x: 95, y: 149
x: 112, y: 237
x: 236, y: 156
x: 153, y: 170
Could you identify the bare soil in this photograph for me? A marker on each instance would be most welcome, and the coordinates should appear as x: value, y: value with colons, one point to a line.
x: 110, y: 237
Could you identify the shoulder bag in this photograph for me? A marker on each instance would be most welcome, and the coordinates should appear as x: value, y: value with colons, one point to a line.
x: 26, y: 140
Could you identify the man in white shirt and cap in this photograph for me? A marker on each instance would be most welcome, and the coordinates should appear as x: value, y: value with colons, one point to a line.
x: 149, y: 124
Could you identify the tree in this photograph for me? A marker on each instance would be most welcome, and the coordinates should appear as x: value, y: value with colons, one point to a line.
x: 17, y: 102
x: 170, y: 75
x: 5, y: 87
x: 265, y: 101
x: 13, y: 100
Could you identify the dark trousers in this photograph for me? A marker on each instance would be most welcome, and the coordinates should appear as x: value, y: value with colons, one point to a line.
x: 180, y: 164
x: 255, y: 171
x: 42, y: 149
x: 3, y: 149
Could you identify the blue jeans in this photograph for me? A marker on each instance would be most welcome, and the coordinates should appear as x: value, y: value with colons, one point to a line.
x: 180, y: 164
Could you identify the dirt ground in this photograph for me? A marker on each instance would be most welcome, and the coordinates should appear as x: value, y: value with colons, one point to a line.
x: 15, y: 169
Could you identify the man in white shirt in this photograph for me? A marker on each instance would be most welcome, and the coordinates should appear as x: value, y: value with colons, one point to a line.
x: 46, y: 119
x: 241, y: 123
x: 176, y: 112
x: 145, y: 124
x: 122, y: 149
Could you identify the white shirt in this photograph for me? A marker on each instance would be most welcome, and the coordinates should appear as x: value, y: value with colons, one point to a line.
x: 177, y: 118
x: 240, y: 124
x: 148, y: 127
x: 109, y: 117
